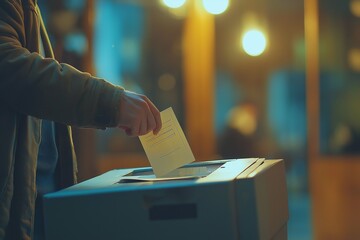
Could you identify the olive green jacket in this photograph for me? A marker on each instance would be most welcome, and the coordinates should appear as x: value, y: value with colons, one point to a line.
x: 34, y: 88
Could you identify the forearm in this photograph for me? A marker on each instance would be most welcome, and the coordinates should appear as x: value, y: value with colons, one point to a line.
x: 43, y: 88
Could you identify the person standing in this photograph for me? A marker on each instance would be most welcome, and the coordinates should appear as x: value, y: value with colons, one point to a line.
x: 40, y: 99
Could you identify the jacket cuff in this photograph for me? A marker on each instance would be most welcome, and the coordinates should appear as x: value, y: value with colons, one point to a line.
x: 108, y: 107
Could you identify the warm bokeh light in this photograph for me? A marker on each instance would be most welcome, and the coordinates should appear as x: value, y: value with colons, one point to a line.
x: 216, y: 6
x: 174, y: 3
x: 254, y: 42
x: 354, y: 59
x: 355, y: 7
x: 243, y: 118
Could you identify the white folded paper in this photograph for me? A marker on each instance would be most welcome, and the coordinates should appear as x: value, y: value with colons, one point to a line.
x: 169, y: 149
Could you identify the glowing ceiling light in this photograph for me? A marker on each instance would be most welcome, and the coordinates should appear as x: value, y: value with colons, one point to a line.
x: 254, y: 42
x: 215, y: 6
x: 174, y: 3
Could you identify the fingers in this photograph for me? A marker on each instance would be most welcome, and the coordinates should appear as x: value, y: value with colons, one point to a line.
x: 143, y: 127
x: 158, y: 122
x: 151, y: 124
x: 138, y: 115
x: 155, y: 116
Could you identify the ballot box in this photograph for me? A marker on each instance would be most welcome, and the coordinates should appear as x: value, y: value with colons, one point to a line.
x: 220, y: 200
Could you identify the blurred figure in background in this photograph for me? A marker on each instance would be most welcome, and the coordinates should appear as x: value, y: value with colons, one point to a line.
x: 238, y: 139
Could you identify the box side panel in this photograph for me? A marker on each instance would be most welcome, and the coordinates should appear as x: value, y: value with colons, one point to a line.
x: 262, y: 201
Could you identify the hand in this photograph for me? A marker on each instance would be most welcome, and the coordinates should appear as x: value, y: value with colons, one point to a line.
x: 138, y: 115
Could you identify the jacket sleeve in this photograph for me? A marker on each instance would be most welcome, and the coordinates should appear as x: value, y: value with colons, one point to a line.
x: 43, y: 88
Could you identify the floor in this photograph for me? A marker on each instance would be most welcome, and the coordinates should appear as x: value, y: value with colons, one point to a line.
x: 300, y: 224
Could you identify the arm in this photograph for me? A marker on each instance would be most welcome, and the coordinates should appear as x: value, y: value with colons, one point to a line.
x: 44, y: 88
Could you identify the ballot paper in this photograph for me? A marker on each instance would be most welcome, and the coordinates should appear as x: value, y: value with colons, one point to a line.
x: 169, y: 149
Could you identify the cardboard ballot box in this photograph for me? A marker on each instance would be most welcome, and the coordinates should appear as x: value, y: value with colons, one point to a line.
x: 220, y: 200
